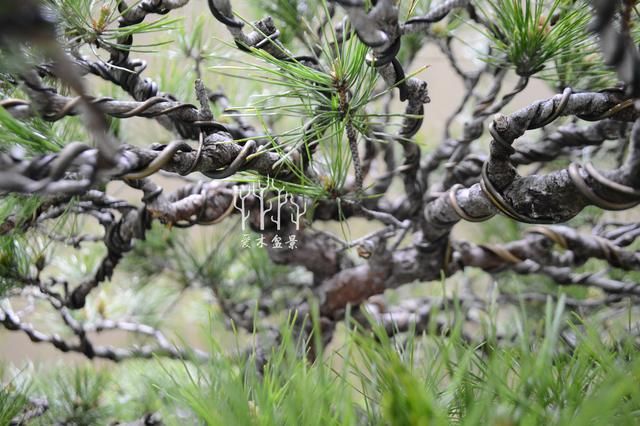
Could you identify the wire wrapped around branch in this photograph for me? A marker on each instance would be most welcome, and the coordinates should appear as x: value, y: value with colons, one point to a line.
x: 498, y: 173
x: 61, y: 106
x: 75, y: 169
x: 435, y: 14
x: 575, y: 173
x: 541, y: 199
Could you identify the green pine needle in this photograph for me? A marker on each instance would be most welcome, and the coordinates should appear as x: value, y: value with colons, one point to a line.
x: 304, y: 96
x: 35, y: 135
x: 529, y: 34
x: 90, y: 22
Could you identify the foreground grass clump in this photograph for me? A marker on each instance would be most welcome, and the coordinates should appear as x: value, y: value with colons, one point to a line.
x: 371, y: 379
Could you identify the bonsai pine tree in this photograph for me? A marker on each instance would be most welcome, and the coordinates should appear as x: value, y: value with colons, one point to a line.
x: 276, y: 164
